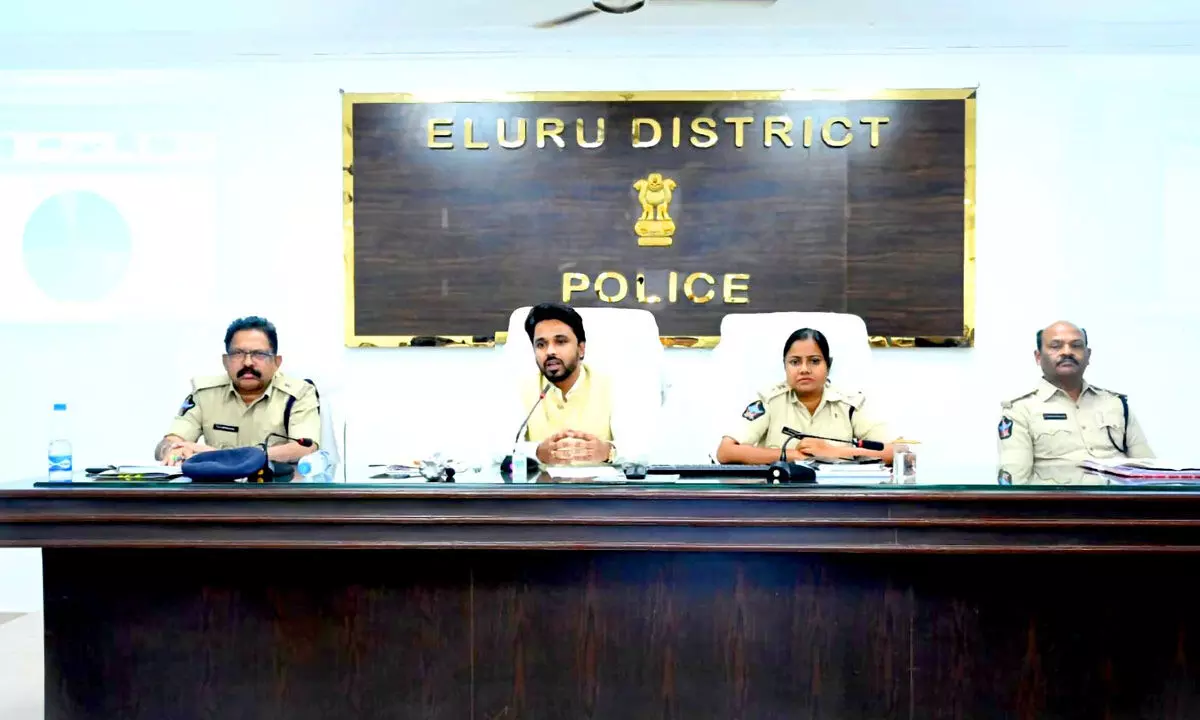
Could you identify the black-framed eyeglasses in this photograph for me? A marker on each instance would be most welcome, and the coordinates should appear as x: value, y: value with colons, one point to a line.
x: 258, y: 356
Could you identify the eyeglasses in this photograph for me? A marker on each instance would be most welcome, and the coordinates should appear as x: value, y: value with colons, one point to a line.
x: 258, y: 356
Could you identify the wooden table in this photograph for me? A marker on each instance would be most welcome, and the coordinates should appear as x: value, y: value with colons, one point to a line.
x: 570, y: 601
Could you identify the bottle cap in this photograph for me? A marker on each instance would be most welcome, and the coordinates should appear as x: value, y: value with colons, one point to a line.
x: 60, y: 406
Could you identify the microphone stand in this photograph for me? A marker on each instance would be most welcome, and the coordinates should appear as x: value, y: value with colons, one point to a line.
x: 782, y: 471
x: 506, y: 465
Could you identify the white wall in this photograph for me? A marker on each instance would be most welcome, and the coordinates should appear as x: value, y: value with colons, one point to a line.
x: 1087, y: 169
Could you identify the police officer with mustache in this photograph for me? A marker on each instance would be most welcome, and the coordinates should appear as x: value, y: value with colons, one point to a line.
x: 245, y: 405
x: 1064, y: 420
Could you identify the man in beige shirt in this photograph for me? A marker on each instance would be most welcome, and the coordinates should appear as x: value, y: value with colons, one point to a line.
x: 570, y: 404
x: 244, y: 406
x: 1064, y: 420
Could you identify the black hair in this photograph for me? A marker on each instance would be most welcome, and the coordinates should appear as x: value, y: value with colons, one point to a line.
x: 809, y: 334
x: 554, y: 311
x: 1039, y: 338
x: 253, y: 322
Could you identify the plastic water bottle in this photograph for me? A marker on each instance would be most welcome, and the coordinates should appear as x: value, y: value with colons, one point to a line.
x: 316, y: 467
x: 520, y: 467
x: 59, y: 453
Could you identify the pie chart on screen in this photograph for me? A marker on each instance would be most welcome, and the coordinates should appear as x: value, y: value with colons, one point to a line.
x: 77, y: 246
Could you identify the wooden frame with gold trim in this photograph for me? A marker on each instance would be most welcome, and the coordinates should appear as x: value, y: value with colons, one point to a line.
x: 967, y: 95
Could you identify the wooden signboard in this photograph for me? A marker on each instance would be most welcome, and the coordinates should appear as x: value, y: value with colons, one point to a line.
x: 691, y: 204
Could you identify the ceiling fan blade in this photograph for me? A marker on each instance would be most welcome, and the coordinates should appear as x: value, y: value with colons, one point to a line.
x: 729, y: 3
x: 567, y: 19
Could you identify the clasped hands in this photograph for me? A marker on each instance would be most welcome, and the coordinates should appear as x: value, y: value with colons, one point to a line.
x: 808, y: 447
x: 570, y: 446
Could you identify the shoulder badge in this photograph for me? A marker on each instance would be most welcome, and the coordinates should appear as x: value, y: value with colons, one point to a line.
x: 1110, y: 392
x: 754, y: 410
x: 188, y: 404
x: 1009, y: 403
x: 1006, y: 426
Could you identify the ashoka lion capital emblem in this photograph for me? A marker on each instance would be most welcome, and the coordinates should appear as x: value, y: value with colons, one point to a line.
x: 655, y: 227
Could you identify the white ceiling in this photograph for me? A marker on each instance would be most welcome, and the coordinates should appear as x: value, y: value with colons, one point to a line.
x: 37, y: 33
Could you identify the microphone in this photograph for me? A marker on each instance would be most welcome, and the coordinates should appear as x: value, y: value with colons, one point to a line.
x: 782, y: 471
x: 506, y: 463
x: 854, y: 442
x: 302, y: 442
x: 525, y: 423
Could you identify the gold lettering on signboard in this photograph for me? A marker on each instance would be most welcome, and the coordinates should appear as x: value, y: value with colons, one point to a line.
x: 550, y: 129
x: 435, y: 131
x: 648, y: 132
x: 502, y: 133
x: 655, y: 132
x: 827, y: 132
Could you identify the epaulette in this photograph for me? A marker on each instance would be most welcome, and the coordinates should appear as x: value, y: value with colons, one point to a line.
x: 207, y: 382
x: 1009, y: 403
x: 1110, y: 392
x: 774, y: 391
x: 291, y: 386
x: 853, y: 399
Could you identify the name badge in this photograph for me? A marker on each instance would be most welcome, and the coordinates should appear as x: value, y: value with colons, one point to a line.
x: 1054, y: 416
x: 231, y: 428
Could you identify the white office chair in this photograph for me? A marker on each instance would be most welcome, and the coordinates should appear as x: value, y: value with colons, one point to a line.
x: 750, y: 358
x: 333, y: 426
x: 621, y: 343
x: 750, y: 354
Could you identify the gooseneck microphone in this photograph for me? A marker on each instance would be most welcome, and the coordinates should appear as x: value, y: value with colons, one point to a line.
x: 853, y: 442
x: 525, y: 423
x: 782, y: 471
x: 302, y: 442
x: 506, y: 463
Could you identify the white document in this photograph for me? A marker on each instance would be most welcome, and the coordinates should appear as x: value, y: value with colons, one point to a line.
x: 141, y: 470
x: 599, y: 472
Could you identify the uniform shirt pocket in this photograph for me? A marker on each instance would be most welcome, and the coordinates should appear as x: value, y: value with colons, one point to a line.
x: 1051, y: 441
x: 1107, y: 431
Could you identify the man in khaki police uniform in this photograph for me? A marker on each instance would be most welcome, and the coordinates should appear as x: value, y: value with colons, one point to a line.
x: 247, y: 404
x: 1064, y: 420
x: 573, y: 422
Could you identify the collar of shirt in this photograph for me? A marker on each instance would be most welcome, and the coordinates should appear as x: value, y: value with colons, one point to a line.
x: 261, y: 398
x: 828, y: 395
x: 580, y: 386
x: 1047, y: 389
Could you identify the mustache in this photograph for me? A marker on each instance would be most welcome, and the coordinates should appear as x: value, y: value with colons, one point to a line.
x: 1068, y: 359
x: 249, y: 371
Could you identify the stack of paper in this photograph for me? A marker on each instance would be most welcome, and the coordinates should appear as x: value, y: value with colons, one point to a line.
x: 853, y: 473
x: 1146, y: 469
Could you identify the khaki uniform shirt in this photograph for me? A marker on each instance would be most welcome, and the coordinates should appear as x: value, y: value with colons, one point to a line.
x: 839, y: 415
x: 217, y: 413
x: 1043, y: 429
x: 586, y: 407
